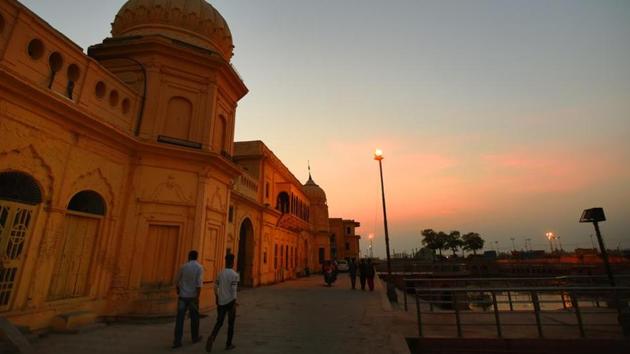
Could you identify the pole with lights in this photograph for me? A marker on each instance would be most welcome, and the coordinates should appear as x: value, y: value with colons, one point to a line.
x: 391, y: 291
x: 371, y: 237
x: 550, y: 238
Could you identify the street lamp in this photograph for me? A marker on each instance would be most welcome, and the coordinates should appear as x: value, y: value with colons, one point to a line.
x: 391, y: 291
x: 595, y: 215
x: 550, y: 237
x: 371, y: 237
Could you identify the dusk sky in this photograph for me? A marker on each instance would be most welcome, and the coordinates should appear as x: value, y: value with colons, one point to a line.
x: 506, y: 118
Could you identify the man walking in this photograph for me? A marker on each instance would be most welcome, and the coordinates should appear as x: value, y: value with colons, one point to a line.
x: 353, y: 273
x: 362, y: 273
x: 225, y: 291
x: 188, y: 284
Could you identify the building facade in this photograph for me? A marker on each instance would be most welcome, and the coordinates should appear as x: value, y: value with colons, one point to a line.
x: 114, y: 164
x: 268, y: 197
x: 344, y: 242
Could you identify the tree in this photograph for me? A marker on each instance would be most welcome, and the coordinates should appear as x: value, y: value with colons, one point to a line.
x: 433, y: 240
x: 453, y: 241
x: 441, y: 240
x: 473, y: 242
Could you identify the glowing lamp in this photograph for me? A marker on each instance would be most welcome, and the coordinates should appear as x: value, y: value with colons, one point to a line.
x: 378, y: 154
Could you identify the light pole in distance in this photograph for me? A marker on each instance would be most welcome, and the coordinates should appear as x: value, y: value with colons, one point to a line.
x: 391, y: 291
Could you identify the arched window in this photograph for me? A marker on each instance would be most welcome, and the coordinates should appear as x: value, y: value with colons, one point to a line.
x: 19, y: 193
x: 19, y: 187
x: 220, y: 135
x: 71, y: 277
x: 282, y: 202
x: 88, y: 202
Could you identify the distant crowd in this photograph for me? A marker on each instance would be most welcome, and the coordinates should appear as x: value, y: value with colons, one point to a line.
x: 365, y: 270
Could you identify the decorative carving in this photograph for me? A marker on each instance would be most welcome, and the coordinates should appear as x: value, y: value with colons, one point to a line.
x: 216, y: 201
x: 170, y: 191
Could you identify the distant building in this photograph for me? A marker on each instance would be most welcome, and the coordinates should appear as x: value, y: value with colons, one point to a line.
x: 344, y: 241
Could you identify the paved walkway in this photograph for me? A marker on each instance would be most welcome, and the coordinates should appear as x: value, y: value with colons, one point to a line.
x: 300, y: 316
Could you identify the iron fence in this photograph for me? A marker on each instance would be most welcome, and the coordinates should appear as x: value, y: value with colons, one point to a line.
x: 600, y: 310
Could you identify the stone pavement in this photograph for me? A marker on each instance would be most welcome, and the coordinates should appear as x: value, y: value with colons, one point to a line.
x: 300, y: 316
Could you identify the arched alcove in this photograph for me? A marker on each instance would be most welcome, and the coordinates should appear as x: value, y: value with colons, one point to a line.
x: 246, y: 252
x: 88, y: 202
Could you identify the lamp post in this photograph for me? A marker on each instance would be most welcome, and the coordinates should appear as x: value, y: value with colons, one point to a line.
x: 595, y: 215
x: 550, y: 238
x: 371, y: 236
x: 391, y: 291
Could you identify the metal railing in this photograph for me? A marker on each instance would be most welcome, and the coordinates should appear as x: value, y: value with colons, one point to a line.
x: 571, y: 280
x: 523, y: 309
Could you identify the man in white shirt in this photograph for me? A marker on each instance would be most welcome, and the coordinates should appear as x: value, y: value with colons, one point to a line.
x: 225, y: 291
x: 188, y: 284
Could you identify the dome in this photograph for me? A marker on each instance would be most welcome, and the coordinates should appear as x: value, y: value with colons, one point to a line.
x: 192, y: 21
x: 314, y: 192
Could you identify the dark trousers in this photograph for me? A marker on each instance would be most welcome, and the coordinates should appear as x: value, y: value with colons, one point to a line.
x: 192, y: 306
x: 370, y: 281
x: 353, y: 280
x: 222, y: 310
x: 362, y: 280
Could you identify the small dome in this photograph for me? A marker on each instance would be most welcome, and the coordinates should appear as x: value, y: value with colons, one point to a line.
x: 191, y: 21
x: 314, y: 192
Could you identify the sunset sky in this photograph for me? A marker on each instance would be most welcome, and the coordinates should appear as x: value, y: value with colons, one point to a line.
x: 505, y: 118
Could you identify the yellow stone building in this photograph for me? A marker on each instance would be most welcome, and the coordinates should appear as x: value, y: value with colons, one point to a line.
x: 344, y: 241
x: 114, y: 164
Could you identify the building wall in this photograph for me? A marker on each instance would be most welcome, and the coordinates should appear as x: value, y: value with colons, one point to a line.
x: 69, y: 123
x: 145, y: 126
x: 284, y: 237
x: 346, y: 239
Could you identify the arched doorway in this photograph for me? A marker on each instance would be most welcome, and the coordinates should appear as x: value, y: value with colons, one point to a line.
x: 71, y: 277
x: 19, y: 197
x: 246, y: 253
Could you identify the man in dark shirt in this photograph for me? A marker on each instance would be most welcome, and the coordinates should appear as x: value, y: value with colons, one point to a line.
x: 353, y: 273
x: 362, y: 273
